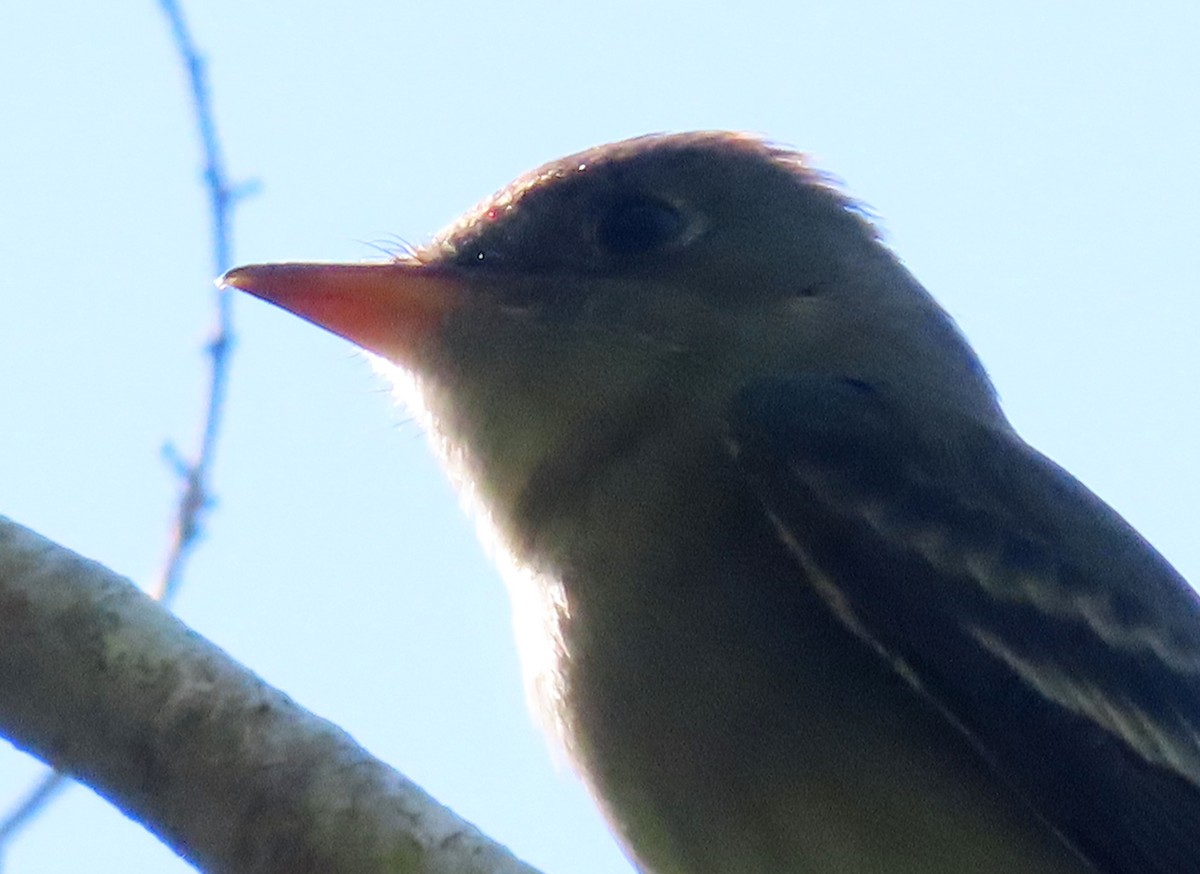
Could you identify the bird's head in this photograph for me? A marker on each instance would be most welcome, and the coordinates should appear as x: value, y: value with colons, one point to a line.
x: 629, y: 284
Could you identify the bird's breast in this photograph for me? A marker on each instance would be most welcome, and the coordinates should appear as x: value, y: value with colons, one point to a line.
x: 724, y: 718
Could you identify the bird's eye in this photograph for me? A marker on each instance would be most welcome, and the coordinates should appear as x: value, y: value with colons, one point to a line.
x: 637, y: 225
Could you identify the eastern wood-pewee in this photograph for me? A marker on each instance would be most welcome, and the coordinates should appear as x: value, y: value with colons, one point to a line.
x: 790, y: 590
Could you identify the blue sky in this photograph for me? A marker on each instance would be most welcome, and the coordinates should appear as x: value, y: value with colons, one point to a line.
x: 1034, y: 164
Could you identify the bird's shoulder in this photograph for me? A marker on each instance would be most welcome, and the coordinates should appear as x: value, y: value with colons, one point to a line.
x: 1028, y: 611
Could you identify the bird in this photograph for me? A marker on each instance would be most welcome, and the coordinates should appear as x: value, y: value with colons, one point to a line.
x: 790, y: 592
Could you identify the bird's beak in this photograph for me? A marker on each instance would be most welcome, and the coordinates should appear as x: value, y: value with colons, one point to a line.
x: 389, y: 309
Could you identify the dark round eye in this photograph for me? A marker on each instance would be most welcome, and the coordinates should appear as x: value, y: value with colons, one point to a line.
x: 637, y: 225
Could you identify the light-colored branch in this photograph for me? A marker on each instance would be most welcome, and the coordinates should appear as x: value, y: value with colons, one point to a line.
x: 106, y: 685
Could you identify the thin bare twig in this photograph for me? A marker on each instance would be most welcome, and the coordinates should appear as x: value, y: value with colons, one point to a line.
x: 195, y: 499
x: 194, y: 473
x: 37, y: 798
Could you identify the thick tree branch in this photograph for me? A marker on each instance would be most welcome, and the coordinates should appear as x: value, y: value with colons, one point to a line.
x: 106, y: 685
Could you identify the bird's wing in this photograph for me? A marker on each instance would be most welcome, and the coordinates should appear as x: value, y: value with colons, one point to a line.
x: 1029, y: 613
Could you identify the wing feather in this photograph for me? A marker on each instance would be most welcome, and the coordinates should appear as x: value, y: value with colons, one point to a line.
x: 1029, y: 612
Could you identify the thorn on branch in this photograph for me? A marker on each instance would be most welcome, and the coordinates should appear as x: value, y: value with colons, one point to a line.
x: 221, y: 344
x: 176, y: 461
x: 242, y: 190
